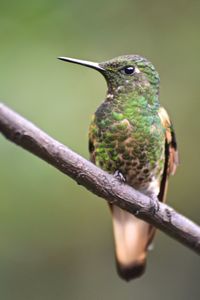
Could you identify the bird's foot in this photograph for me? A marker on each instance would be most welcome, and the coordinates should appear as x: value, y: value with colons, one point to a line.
x: 154, y: 205
x: 118, y: 175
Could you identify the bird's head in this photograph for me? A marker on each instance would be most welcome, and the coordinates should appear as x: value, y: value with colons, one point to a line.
x: 125, y: 73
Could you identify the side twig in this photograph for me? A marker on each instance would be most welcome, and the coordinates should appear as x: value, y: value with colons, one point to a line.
x: 25, y: 134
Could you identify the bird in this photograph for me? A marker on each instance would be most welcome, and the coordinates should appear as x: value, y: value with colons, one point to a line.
x: 132, y: 137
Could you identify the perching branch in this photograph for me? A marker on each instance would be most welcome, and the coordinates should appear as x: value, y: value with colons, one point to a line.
x: 25, y: 134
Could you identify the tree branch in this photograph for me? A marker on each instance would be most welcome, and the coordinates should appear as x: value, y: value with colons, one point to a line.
x: 25, y: 134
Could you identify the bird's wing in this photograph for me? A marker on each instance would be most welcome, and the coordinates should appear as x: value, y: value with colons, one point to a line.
x: 171, y: 153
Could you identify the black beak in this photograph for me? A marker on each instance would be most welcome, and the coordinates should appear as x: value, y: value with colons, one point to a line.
x: 86, y: 63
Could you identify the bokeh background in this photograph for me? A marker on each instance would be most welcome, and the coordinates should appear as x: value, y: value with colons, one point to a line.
x: 55, y: 237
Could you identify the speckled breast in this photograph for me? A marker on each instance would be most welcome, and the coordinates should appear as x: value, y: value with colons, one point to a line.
x: 135, y: 151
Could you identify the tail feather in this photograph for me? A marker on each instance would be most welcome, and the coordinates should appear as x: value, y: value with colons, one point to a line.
x: 130, y: 272
x: 132, y: 238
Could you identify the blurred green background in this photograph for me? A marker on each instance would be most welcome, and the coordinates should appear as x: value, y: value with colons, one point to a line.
x: 55, y: 237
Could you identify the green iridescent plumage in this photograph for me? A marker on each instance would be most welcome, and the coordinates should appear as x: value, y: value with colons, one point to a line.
x: 126, y: 131
x: 131, y: 136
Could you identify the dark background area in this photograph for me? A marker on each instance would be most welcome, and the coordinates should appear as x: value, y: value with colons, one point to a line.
x: 55, y: 237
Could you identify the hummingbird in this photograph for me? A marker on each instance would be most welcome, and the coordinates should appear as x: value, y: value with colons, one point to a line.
x: 131, y: 136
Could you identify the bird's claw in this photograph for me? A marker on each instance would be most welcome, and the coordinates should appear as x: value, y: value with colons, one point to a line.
x: 154, y: 205
x: 118, y: 175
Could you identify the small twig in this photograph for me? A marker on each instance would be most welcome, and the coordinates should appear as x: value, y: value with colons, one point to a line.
x: 25, y: 134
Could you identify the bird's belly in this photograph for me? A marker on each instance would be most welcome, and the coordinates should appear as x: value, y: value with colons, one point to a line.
x: 140, y: 163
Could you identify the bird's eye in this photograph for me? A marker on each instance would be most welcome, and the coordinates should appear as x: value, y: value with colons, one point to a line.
x: 129, y: 70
